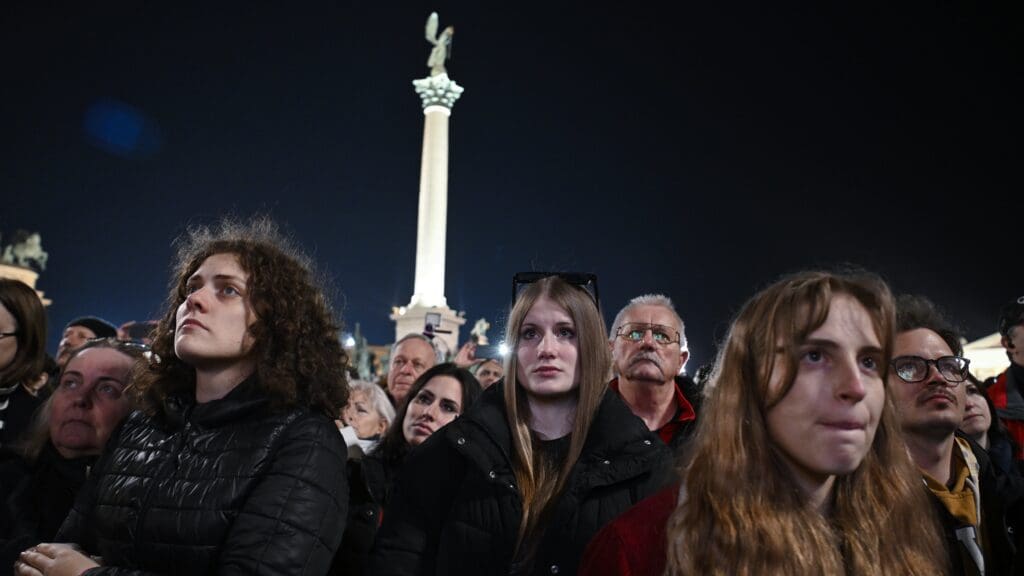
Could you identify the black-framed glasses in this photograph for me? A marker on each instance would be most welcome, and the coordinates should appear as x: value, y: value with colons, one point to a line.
x: 635, y: 331
x: 912, y: 369
x: 8, y: 334
x: 582, y: 280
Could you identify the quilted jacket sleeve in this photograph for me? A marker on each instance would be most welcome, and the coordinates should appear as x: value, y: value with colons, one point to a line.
x: 293, y: 520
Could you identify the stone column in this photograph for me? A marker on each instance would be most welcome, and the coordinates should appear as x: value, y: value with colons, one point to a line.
x: 438, y: 94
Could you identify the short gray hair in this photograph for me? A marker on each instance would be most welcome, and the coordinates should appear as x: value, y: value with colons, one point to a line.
x: 378, y: 399
x: 438, y: 355
x: 651, y: 300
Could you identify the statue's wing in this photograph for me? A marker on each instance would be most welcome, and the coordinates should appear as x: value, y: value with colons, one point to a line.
x: 432, y: 28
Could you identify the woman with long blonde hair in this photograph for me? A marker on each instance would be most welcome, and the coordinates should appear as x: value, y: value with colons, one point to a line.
x: 522, y: 481
x: 798, y: 466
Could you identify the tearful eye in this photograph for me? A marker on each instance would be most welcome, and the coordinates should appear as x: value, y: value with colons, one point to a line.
x: 566, y: 332
x: 528, y: 334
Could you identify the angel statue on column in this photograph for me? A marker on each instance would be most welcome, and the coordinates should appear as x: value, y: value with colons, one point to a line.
x: 441, y: 43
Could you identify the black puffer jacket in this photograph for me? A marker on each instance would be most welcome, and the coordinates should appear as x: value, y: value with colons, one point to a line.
x: 225, y: 487
x: 456, y: 509
x: 369, y: 482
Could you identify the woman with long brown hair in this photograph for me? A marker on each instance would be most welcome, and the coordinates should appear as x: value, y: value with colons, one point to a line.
x: 22, y: 358
x: 234, y: 465
x: 798, y: 466
x: 521, y: 482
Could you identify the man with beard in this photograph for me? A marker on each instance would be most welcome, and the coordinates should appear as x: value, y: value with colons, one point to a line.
x: 648, y: 346
x: 926, y: 379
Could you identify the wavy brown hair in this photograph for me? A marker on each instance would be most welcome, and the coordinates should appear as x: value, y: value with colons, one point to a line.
x: 539, y: 484
x: 296, y: 350
x: 741, y: 513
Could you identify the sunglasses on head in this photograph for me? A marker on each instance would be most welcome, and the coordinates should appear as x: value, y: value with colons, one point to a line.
x: 582, y: 280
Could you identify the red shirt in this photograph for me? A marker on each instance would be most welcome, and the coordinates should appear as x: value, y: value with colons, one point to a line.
x: 633, y: 544
x: 997, y: 392
x: 684, y: 414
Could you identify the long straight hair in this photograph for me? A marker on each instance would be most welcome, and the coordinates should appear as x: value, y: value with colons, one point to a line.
x: 742, y: 513
x: 24, y: 305
x: 538, y: 483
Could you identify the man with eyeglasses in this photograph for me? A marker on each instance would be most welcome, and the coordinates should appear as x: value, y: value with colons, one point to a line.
x: 1007, y: 391
x: 926, y: 378
x: 649, y: 351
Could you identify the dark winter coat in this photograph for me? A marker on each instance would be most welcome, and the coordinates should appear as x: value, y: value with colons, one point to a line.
x: 370, y: 481
x: 1002, y: 503
x: 36, y: 498
x: 456, y: 508
x: 225, y: 487
x: 17, y: 409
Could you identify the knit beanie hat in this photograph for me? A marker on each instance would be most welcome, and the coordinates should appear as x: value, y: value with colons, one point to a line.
x: 101, y: 328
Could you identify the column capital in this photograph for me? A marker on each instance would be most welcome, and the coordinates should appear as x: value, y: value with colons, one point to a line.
x: 438, y: 90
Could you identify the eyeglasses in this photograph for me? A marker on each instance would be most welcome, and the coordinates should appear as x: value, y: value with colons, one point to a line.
x: 7, y: 334
x: 132, y: 348
x: 582, y: 280
x: 913, y: 369
x: 635, y: 332
x: 128, y: 346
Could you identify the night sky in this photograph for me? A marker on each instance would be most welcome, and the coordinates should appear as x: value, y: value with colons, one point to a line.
x: 699, y: 151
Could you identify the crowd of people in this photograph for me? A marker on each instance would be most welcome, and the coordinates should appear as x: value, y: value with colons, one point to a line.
x: 840, y: 430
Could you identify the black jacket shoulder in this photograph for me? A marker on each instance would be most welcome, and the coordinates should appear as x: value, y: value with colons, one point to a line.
x: 456, y: 508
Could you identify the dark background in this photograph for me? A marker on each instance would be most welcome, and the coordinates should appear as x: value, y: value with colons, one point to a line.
x: 694, y: 149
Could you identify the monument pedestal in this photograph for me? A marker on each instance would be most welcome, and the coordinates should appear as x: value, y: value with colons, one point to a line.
x: 446, y: 322
x: 26, y: 275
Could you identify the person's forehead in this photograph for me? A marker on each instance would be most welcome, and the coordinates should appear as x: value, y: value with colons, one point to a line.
x: 100, y: 361
x: 921, y: 342
x: 414, y: 347
x: 222, y: 263
x: 79, y: 329
x: 650, y: 314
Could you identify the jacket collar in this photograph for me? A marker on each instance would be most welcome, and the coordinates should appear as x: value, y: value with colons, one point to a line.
x: 246, y: 399
x: 614, y: 425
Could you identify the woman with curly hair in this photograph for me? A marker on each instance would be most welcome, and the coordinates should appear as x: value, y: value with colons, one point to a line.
x: 798, y: 466
x: 234, y: 466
